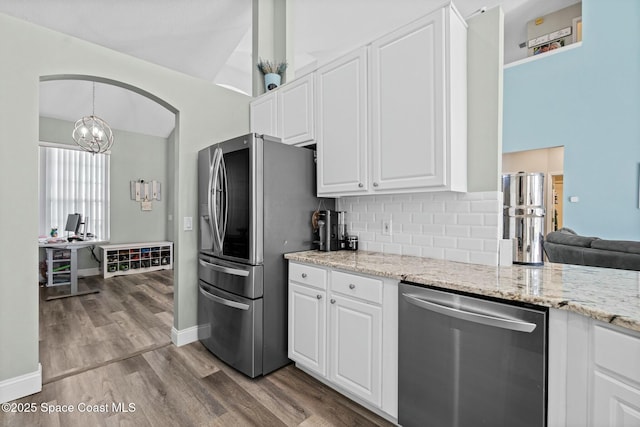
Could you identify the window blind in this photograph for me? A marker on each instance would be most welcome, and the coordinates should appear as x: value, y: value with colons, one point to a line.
x: 74, y: 181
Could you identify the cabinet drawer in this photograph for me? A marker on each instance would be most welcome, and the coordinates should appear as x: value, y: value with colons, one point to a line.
x: 617, y: 352
x: 307, y: 275
x: 365, y: 288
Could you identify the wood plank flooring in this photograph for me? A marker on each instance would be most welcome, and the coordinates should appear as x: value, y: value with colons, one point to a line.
x: 119, y: 356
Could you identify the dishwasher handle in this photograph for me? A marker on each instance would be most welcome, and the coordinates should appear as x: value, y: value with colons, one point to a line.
x: 485, y: 319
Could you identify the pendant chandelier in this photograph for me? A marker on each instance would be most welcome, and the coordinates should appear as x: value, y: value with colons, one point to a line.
x: 92, y: 133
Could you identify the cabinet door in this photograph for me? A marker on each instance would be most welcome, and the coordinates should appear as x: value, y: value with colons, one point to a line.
x: 615, y: 403
x: 355, y: 347
x: 407, y: 107
x: 307, y: 327
x: 263, y: 113
x: 295, y: 111
x: 341, y: 111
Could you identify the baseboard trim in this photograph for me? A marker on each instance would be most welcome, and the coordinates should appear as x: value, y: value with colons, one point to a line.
x: 21, y: 386
x: 86, y: 272
x: 187, y: 336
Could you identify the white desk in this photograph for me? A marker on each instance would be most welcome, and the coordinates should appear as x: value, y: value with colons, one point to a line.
x: 73, y: 247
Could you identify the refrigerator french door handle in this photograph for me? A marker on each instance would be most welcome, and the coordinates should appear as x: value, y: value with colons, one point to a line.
x: 484, y: 319
x: 217, y: 158
x: 209, y: 217
x: 224, y: 301
x: 223, y: 269
x: 226, y: 199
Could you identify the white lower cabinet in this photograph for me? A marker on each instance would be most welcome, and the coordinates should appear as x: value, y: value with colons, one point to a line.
x: 355, y: 340
x: 594, y: 372
x: 307, y: 327
x: 347, y: 335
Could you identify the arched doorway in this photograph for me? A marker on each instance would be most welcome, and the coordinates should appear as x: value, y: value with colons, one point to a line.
x: 132, y: 313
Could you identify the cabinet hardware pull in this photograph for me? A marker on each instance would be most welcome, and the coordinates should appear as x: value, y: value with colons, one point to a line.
x: 352, y: 286
x: 333, y: 301
x: 304, y: 275
x: 319, y: 296
x: 375, y: 184
x: 360, y: 185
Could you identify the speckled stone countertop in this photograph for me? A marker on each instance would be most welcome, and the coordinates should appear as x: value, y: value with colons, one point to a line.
x: 604, y: 294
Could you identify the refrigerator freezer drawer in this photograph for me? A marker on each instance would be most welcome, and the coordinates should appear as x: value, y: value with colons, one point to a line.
x: 231, y: 328
x: 239, y: 279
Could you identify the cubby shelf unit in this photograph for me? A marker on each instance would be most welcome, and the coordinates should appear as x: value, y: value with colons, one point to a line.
x: 133, y: 258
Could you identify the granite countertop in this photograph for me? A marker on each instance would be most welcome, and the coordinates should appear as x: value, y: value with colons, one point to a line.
x: 604, y: 294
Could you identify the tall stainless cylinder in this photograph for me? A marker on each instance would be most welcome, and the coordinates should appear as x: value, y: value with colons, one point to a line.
x: 524, y: 216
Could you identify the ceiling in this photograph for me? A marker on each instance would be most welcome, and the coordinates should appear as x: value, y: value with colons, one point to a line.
x: 211, y: 40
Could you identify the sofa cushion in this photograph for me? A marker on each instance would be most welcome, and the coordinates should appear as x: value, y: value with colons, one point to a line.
x: 570, y: 239
x: 617, y: 246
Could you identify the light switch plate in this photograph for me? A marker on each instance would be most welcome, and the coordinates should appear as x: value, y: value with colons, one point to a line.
x: 188, y: 223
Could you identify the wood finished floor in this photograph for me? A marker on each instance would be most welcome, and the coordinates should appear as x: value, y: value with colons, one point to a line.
x: 119, y: 352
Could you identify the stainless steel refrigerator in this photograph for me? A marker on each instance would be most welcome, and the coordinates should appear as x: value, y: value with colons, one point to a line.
x: 256, y: 196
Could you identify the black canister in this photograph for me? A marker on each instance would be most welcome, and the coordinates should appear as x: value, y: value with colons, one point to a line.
x: 352, y: 243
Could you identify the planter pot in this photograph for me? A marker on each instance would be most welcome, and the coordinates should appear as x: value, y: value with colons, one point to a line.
x: 271, y: 81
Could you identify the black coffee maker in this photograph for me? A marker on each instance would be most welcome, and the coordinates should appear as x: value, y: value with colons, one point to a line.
x: 329, y: 230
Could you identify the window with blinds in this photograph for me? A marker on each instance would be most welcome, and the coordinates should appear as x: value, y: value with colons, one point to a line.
x: 73, y: 181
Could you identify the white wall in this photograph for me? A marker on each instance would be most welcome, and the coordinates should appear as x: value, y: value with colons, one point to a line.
x: 484, y: 100
x: 206, y: 113
x: 542, y: 160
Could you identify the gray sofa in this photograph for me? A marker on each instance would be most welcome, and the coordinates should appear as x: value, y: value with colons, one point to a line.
x: 566, y: 247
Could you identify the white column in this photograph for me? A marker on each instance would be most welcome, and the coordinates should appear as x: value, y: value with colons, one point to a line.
x: 272, y: 28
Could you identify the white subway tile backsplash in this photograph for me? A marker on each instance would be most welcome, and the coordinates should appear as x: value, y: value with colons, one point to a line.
x: 411, y: 250
x: 383, y: 238
x: 458, y: 206
x: 422, y: 240
x: 444, y: 242
x: 392, y: 248
x: 471, y: 244
x: 471, y: 219
x: 402, y: 218
x: 457, y: 230
x: 484, y: 232
x: 423, y: 218
x: 455, y: 226
x: 393, y: 207
x: 373, y: 246
x: 375, y: 207
x: 483, y: 258
x: 412, y: 207
x: 433, y: 229
x: 485, y: 206
x: 409, y: 228
x: 456, y: 255
x: 445, y: 218
x: 491, y: 245
x: 493, y: 219
x: 437, y: 253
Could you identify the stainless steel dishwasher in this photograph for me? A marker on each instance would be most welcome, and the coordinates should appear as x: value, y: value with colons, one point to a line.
x: 465, y: 361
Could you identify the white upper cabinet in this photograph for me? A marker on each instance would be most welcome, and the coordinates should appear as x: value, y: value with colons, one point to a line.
x: 407, y: 131
x: 341, y: 109
x: 263, y: 115
x: 286, y: 112
x: 295, y: 111
x: 407, y: 100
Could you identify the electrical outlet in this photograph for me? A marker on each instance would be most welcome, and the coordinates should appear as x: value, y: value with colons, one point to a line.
x: 386, y: 227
